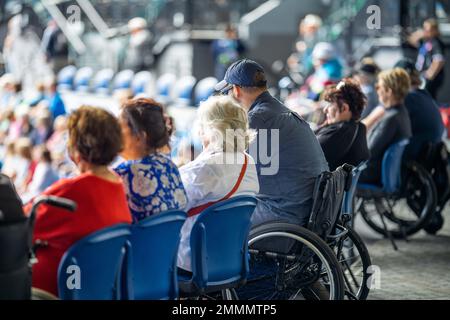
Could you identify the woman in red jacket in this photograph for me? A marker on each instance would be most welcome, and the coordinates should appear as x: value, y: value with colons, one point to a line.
x: 94, y: 141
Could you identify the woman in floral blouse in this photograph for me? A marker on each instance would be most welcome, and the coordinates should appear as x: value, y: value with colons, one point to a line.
x: 151, y: 179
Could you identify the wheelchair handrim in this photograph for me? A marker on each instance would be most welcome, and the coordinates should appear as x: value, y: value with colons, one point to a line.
x: 310, y: 246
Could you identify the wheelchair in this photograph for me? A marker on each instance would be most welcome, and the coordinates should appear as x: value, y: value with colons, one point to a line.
x: 326, y: 260
x: 18, y: 253
x: 405, y: 202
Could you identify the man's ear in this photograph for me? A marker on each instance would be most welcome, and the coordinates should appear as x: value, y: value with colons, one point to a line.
x: 237, y: 92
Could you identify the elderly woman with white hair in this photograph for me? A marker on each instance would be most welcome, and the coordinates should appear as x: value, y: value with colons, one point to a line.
x: 223, y: 170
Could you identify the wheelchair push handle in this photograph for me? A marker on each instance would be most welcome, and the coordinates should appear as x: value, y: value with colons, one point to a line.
x: 62, y: 203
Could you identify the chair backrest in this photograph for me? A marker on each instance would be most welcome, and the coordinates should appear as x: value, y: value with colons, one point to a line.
x: 347, y: 203
x: 94, y: 263
x: 164, y: 87
x: 123, y: 79
x: 183, y: 90
x: 141, y: 81
x: 219, y: 242
x: 204, y: 89
x: 65, y: 77
x: 102, y: 80
x: 391, y: 166
x: 328, y: 196
x: 83, y: 78
x: 150, y: 270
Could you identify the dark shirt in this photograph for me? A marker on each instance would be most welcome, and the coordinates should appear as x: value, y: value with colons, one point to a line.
x: 287, y: 182
x: 344, y: 142
x: 393, y: 127
x: 429, y: 51
x: 426, y: 121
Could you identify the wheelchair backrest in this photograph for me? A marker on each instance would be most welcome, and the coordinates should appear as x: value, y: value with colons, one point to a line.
x: 327, y: 200
x: 219, y: 242
x: 15, y: 273
x: 347, y: 203
x: 149, y: 272
x: 391, y: 166
x: 89, y: 270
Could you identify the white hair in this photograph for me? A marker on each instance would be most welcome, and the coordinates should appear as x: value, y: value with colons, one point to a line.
x: 225, y: 124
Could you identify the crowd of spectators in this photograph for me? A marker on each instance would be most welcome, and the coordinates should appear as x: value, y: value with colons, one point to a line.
x: 119, y: 169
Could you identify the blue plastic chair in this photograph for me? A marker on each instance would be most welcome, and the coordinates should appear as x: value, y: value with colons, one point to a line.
x: 150, y: 269
x: 164, y: 87
x: 390, y: 170
x: 183, y: 91
x: 98, y: 258
x: 219, y: 250
x: 123, y: 80
x: 204, y: 89
x: 102, y: 81
x: 141, y: 81
x: 83, y: 78
x: 65, y: 77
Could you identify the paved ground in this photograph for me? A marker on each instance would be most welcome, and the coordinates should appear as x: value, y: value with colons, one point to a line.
x: 420, y: 269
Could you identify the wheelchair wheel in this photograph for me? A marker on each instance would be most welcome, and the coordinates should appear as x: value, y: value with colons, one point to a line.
x: 355, y: 261
x: 288, y: 262
x: 407, y: 213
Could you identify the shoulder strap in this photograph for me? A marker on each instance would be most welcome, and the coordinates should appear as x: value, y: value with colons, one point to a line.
x: 197, y: 210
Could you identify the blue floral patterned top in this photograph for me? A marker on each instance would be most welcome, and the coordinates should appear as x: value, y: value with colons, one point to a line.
x: 153, y: 185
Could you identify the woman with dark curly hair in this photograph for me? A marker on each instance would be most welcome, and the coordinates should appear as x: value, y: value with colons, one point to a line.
x: 94, y: 141
x: 151, y: 179
x: 343, y: 136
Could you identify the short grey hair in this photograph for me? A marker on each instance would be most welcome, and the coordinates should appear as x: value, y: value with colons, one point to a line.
x: 225, y: 123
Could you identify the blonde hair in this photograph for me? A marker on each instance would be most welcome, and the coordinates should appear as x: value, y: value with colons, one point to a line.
x: 397, y: 80
x: 221, y: 118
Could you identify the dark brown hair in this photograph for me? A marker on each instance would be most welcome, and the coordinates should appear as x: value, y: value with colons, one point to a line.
x: 146, y: 116
x: 95, y: 134
x: 347, y: 91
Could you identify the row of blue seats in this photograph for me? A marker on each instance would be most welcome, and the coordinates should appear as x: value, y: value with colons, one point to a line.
x: 129, y: 263
x: 167, y: 88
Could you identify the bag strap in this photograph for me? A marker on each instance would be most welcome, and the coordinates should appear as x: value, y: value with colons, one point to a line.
x: 354, y: 138
x: 197, y: 210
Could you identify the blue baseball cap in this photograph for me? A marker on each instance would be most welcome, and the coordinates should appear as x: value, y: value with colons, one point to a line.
x: 242, y: 73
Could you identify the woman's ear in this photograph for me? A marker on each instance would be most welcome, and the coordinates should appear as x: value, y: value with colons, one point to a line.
x: 345, y: 107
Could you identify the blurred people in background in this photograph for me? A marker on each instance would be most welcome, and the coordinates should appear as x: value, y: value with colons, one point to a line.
x: 308, y: 36
x: 55, y: 46
x: 366, y: 75
x: 95, y: 139
x: 343, y: 136
x: 431, y: 57
x: 138, y: 53
x: 226, y: 51
x: 426, y: 121
x: 55, y: 102
x: 392, y: 87
x: 44, y: 175
x: 151, y: 179
x: 327, y: 70
x: 42, y: 129
x: 11, y: 92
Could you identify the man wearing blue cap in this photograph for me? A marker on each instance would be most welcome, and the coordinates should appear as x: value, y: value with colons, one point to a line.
x: 286, y: 193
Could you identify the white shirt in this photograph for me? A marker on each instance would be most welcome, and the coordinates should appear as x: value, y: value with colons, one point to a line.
x: 208, y: 178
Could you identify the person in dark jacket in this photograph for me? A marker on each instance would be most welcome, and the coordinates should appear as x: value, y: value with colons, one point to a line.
x: 343, y: 137
x: 431, y: 57
x: 288, y: 156
x: 426, y: 121
x: 392, y: 88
